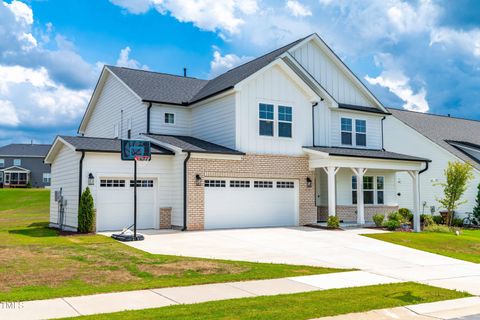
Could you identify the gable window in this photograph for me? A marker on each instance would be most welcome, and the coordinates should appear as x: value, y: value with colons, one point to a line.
x: 266, y: 117
x: 169, y: 118
x: 346, y: 129
x: 17, y: 162
x: 46, y: 177
x: 373, y: 189
x: 361, y: 133
x: 2, y: 163
x: 285, y: 121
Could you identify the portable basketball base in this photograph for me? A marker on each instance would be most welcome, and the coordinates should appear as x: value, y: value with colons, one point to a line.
x: 133, y: 150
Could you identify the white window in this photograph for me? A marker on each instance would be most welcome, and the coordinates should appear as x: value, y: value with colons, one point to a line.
x: 239, y: 184
x: 115, y: 131
x: 266, y: 119
x: 263, y: 184
x: 373, y: 189
x: 361, y: 133
x: 46, y: 177
x: 285, y: 121
x: 2, y: 163
x: 112, y: 183
x: 346, y: 131
x: 169, y: 118
x: 285, y: 185
x: 142, y: 183
x: 215, y: 183
x: 17, y: 162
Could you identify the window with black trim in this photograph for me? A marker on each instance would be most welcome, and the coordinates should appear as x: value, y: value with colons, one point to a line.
x: 142, y: 183
x: 346, y: 131
x: 214, y: 184
x: 169, y: 118
x: 239, y: 184
x: 284, y: 121
x: 112, y: 183
x: 266, y: 119
x: 285, y: 184
x: 263, y: 184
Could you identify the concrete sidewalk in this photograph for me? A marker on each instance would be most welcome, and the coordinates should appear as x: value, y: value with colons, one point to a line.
x: 154, y: 298
x: 466, y: 308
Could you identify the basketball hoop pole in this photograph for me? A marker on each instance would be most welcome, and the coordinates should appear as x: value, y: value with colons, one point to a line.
x: 135, y: 200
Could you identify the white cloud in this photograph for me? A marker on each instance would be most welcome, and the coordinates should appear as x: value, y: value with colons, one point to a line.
x: 394, y: 79
x: 9, y: 115
x: 220, y: 63
x: 468, y: 41
x: 134, y: 6
x: 407, y: 18
x: 125, y: 61
x: 297, y: 9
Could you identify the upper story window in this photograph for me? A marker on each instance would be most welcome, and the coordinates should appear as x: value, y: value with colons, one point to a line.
x: 2, y: 163
x: 373, y: 189
x: 285, y: 121
x: 46, y: 177
x: 346, y: 129
x: 17, y: 162
x: 361, y: 132
x: 266, y: 119
x: 169, y: 118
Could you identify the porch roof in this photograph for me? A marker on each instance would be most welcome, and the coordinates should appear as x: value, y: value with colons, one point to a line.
x: 365, y: 153
x: 15, y: 169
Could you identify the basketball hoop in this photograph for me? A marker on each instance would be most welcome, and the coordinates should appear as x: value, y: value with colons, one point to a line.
x: 142, y: 161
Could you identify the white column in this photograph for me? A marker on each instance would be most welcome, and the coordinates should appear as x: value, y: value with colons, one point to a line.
x: 416, y: 201
x: 332, y: 203
x: 360, y: 172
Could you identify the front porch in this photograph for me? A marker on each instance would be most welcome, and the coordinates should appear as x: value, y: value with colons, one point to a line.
x: 14, y: 177
x: 355, y: 184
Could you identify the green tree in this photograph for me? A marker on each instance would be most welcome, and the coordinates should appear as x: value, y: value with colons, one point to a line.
x: 86, y: 212
x: 457, y: 176
x: 476, y: 209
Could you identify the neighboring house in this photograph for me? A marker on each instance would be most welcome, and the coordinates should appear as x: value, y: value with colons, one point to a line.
x: 440, y: 138
x: 283, y: 140
x: 21, y: 165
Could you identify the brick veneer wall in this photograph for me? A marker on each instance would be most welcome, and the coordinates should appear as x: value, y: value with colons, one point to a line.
x: 165, y: 218
x: 251, y: 166
x: 349, y: 213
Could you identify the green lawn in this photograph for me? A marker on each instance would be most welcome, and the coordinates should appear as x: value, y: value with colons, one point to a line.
x: 37, y: 263
x: 297, y: 306
x: 464, y: 247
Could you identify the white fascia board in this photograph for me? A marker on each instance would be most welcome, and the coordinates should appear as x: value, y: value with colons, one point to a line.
x: 54, y: 149
x: 163, y: 144
x: 333, y: 56
x: 216, y: 156
x: 317, y: 153
x: 20, y: 169
x: 367, y: 163
x: 372, y: 114
x: 313, y: 96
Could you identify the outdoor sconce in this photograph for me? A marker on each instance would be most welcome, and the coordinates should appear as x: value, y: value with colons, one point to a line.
x: 309, y: 182
x: 198, y: 180
x: 91, y: 179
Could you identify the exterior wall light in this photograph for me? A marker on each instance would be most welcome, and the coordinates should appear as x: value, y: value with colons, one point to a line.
x: 309, y: 182
x: 198, y: 180
x: 91, y: 179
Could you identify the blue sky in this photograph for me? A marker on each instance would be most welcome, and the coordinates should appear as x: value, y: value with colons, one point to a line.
x: 419, y: 55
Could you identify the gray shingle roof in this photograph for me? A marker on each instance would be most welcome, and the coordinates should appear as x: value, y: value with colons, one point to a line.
x: 165, y: 88
x: 441, y: 129
x: 25, y: 150
x: 366, y: 153
x: 191, y: 144
x: 103, y: 144
x: 361, y: 108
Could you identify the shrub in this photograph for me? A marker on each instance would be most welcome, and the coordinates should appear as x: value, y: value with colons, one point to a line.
x: 438, y: 219
x: 333, y: 222
x: 86, y: 213
x: 440, y: 228
x: 391, y: 225
x: 378, y: 219
x: 457, y: 222
x: 428, y: 220
x: 395, y: 216
x: 406, y: 214
x: 476, y: 209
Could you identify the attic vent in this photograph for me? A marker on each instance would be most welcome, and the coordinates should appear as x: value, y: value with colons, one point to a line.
x: 184, y: 72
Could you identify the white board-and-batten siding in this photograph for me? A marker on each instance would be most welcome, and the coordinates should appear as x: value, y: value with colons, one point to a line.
x: 374, y: 128
x: 107, y: 112
x: 64, y: 175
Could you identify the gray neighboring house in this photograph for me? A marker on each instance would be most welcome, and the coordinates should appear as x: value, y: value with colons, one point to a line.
x: 22, y: 165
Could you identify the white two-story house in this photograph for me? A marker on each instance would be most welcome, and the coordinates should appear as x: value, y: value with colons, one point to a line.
x: 286, y: 139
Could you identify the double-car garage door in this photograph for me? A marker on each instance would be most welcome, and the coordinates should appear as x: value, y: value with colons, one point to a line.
x: 242, y: 203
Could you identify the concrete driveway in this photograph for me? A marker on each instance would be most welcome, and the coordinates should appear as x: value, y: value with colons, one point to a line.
x: 316, y: 247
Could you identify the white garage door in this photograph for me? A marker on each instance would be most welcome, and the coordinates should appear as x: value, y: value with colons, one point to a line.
x: 241, y: 203
x: 114, y: 204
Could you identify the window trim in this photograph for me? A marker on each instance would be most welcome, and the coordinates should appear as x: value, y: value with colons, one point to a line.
x: 47, y: 179
x: 360, y: 133
x: 2, y: 163
x: 174, y: 118
x: 19, y: 164
x: 284, y: 121
x: 375, y: 190
x: 354, y: 131
x: 344, y: 131
x: 275, y: 120
x: 264, y: 119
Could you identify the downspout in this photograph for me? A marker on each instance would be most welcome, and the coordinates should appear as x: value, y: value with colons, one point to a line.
x: 313, y: 122
x: 148, y: 117
x: 383, y: 148
x: 80, y: 174
x: 185, y: 192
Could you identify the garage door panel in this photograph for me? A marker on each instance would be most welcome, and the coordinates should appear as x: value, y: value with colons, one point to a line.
x: 228, y: 207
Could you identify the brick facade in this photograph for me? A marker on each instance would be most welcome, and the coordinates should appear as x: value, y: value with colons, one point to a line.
x: 349, y: 213
x: 251, y: 166
x: 165, y: 218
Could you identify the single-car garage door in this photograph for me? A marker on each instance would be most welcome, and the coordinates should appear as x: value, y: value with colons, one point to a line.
x: 114, y: 203
x: 242, y: 203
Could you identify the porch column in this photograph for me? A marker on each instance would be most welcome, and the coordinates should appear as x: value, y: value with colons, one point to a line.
x: 416, y: 204
x: 360, y: 172
x: 332, y: 203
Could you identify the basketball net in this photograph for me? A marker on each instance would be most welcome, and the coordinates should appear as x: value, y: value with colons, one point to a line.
x: 142, y: 161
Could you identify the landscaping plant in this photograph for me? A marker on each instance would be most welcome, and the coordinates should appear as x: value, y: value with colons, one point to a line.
x: 457, y: 177
x: 476, y: 209
x: 406, y: 214
x: 378, y: 219
x: 86, y: 213
x: 333, y: 222
x: 438, y: 219
x: 392, y: 225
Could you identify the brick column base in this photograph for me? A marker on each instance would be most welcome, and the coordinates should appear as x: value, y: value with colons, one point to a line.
x: 166, y: 218
x: 349, y: 213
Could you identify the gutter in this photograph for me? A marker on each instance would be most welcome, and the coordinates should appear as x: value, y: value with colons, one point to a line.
x: 313, y: 122
x: 148, y: 117
x: 424, y: 169
x: 384, y: 117
x: 185, y: 192
x: 80, y: 174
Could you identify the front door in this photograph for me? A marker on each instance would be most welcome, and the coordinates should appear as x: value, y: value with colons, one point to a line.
x: 7, y: 178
